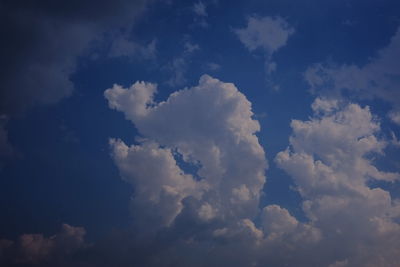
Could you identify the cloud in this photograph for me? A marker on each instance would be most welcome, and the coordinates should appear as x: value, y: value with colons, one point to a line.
x: 268, y: 34
x: 42, y: 43
x: 379, y: 78
x: 39, y: 250
x: 210, y: 126
x: 330, y: 162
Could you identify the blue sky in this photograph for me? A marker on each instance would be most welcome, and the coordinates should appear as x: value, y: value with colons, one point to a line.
x: 153, y: 133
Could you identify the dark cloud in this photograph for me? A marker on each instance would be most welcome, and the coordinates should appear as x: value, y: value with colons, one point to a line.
x: 41, y: 41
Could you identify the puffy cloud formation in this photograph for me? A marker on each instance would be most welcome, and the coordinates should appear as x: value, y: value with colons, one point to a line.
x: 35, y: 249
x: 198, y: 171
x: 379, y: 78
x: 331, y: 164
x: 213, y: 209
x: 210, y: 127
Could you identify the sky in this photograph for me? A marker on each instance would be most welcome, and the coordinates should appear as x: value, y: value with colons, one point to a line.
x: 200, y: 133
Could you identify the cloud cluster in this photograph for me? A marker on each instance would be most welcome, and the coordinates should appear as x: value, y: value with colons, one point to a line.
x: 214, y: 208
x: 379, y: 78
x: 197, y: 171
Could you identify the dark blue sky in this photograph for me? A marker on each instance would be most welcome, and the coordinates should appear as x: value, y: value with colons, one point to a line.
x: 57, y: 166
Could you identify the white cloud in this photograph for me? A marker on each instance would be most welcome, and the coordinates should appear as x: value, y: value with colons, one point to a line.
x: 266, y: 33
x: 379, y: 78
x: 210, y: 125
x: 330, y: 164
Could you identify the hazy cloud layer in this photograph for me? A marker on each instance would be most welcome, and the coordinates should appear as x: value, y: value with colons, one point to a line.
x: 42, y: 42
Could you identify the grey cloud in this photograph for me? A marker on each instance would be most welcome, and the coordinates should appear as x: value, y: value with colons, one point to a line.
x: 35, y: 249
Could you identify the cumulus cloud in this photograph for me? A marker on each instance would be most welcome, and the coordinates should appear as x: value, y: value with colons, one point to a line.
x: 379, y: 78
x: 36, y: 249
x: 330, y: 162
x: 209, y: 125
